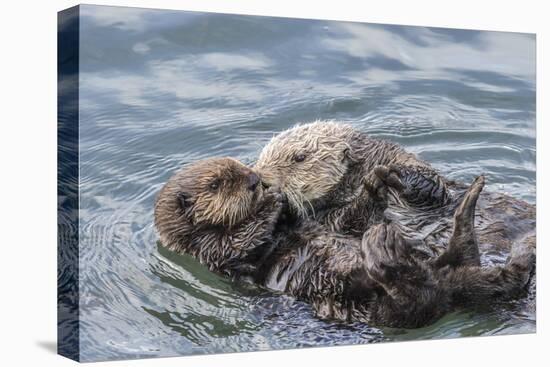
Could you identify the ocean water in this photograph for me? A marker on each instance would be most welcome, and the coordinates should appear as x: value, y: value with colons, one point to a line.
x: 159, y: 89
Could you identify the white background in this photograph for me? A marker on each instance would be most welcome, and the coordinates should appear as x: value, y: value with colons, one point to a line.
x: 28, y: 181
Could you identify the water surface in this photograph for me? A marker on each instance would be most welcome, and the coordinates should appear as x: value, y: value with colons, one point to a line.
x: 159, y: 89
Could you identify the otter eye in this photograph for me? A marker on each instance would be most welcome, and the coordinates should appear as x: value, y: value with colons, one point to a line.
x: 214, y: 185
x: 300, y: 157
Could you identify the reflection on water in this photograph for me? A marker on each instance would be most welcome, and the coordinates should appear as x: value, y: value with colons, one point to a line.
x: 163, y: 88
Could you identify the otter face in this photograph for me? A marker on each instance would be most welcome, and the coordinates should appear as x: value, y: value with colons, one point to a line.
x: 306, y: 162
x: 218, y: 191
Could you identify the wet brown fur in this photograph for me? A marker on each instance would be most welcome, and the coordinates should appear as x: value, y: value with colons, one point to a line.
x: 371, y: 279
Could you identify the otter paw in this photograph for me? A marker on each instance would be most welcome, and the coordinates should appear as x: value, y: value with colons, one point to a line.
x: 387, y: 253
x: 274, y: 198
x: 275, y: 194
x: 382, y: 178
x: 391, y: 175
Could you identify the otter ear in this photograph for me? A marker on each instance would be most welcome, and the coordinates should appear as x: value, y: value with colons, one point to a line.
x: 184, y: 199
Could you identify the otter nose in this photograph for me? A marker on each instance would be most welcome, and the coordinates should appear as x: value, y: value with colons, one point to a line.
x: 253, y: 181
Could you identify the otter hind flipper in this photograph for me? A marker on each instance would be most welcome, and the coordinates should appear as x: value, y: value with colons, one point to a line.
x: 463, y: 248
x: 412, y: 297
x: 388, y: 259
x: 486, y: 285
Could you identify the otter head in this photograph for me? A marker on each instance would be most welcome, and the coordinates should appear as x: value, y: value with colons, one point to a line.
x: 212, y: 192
x: 306, y: 162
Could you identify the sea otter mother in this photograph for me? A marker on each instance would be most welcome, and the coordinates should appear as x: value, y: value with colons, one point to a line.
x: 349, y: 181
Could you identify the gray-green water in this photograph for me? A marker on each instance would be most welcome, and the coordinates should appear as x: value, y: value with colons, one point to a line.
x: 163, y: 88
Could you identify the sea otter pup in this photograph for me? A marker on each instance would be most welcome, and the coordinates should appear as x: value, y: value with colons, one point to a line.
x: 347, y: 181
x: 217, y: 211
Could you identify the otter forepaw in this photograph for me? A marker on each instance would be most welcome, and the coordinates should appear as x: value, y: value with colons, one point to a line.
x: 273, y: 202
x: 275, y: 194
x: 391, y: 176
x: 382, y: 178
